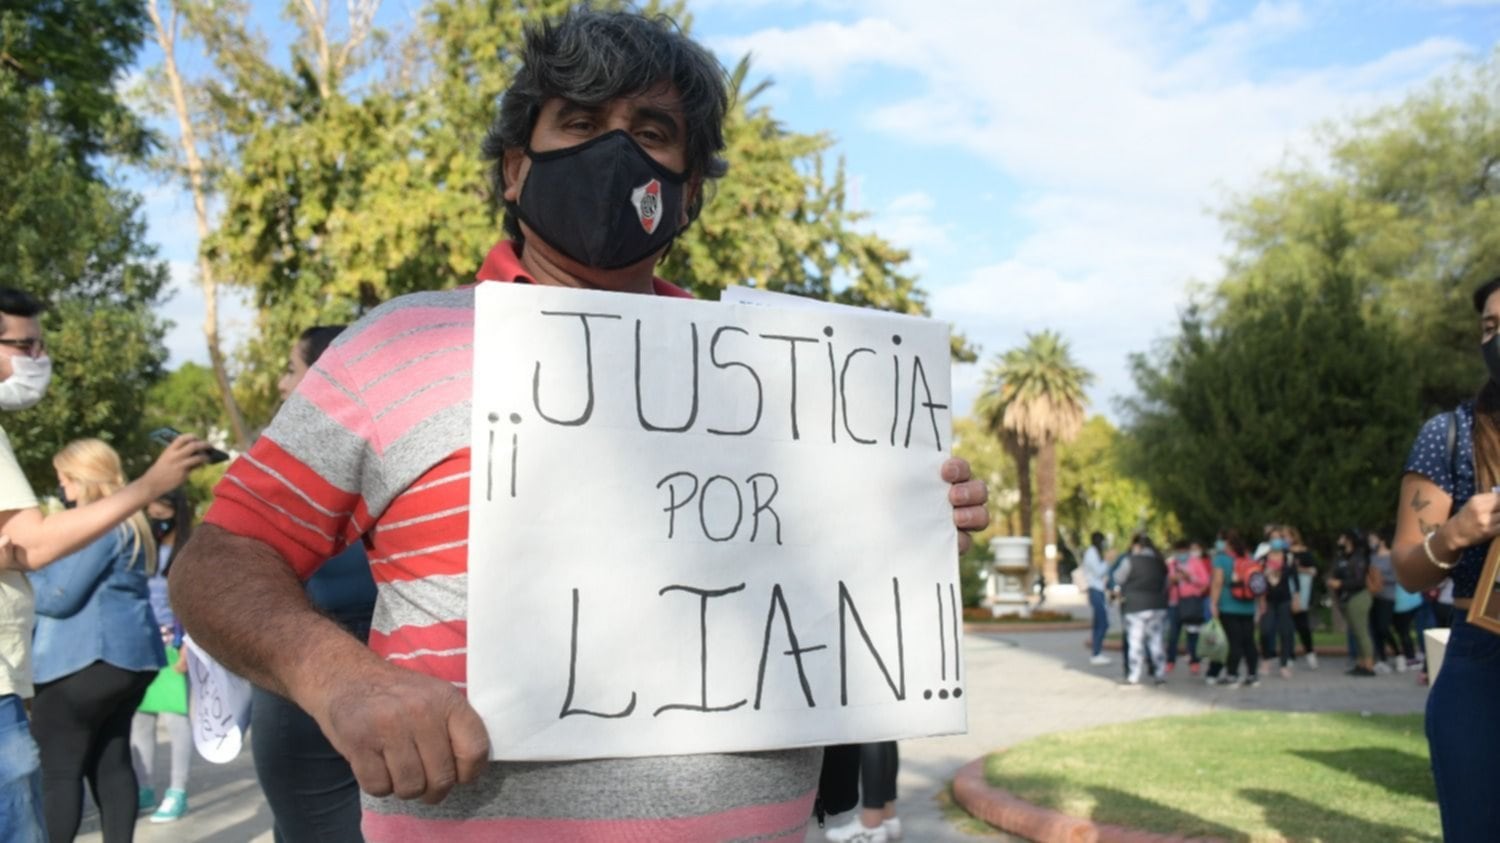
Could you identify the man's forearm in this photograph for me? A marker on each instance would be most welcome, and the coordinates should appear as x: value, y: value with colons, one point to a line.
x: 244, y: 606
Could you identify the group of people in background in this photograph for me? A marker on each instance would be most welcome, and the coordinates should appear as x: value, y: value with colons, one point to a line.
x: 1261, y: 599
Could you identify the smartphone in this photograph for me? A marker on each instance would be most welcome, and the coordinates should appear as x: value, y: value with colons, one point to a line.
x: 165, y: 436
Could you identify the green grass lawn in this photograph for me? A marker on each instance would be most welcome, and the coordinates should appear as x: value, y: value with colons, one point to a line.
x: 1257, y: 776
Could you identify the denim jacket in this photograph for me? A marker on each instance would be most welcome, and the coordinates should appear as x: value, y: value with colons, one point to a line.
x: 93, y: 605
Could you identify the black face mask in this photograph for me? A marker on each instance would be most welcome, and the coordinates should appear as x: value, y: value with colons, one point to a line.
x: 605, y: 203
x: 161, y: 526
x: 62, y: 497
x: 1491, y: 352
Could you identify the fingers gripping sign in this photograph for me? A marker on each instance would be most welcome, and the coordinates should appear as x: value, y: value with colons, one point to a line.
x: 968, y: 497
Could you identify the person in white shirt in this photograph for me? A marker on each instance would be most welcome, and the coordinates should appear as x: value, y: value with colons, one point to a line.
x: 30, y: 540
x: 1096, y: 573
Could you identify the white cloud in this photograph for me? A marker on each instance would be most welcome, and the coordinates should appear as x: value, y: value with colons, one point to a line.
x: 824, y: 51
x: 1198, y: 10
x: 908, y: 223
x: 1122, y: 124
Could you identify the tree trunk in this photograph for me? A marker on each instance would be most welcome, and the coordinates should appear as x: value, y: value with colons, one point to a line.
x: 1046, y: 487
x: 166, y: 38
x: 1022, y: 455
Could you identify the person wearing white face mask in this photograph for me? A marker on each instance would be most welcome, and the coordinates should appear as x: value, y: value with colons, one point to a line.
x: 30, y: 540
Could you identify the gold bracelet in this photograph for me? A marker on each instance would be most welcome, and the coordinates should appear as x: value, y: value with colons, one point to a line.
x: 1427, y: 546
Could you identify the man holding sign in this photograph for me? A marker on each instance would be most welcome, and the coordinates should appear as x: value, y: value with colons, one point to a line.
x: 602, y: 148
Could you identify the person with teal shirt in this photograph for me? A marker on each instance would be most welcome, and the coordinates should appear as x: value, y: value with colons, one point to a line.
x: 1237, y: 616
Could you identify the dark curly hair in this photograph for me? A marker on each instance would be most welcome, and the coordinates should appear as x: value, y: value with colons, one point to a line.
x: 591, y: 57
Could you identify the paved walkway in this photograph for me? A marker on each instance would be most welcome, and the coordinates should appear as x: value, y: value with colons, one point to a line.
x: 1020, y: 686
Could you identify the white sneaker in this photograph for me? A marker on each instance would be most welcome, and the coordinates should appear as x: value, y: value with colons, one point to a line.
x: 855, y: 832
x: 1401, y: 664
x: 1100, y: 659
x: 1382, y: 668
x: 1312, y: 661
x: 892, y: 828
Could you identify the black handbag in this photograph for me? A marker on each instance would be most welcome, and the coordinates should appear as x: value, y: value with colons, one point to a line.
x: 1192, y: 610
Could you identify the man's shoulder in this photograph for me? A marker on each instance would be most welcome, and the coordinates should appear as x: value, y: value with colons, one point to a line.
x: 407, y: 315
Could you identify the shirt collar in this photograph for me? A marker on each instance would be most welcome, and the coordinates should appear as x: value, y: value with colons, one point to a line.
x: 503, y: 264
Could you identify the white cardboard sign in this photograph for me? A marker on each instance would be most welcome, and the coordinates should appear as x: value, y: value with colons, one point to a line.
x: 707, y: 527
x: 218, y: 706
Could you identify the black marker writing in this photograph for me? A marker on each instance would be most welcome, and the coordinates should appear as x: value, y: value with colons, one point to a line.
x: 844, y: 393
x: 703, y: 597
x: 567, y: 708
x: 942, y: 633
x: 760, y: 393
x: 739, y: 508
x: 588, y: 358
x: 683, y: 486
x: 763, y: 506
x: 847, y: 608
x: 792, y: 347
x: 778, y: 600
x: 953, y: 604
x: 640, y: 410
x: 918, y: 372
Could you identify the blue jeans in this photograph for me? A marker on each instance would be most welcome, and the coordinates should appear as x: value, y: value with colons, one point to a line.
x: 21, y: 818
x: 1463, y: 735
x: 1101, y: 618
x: 309, y: 786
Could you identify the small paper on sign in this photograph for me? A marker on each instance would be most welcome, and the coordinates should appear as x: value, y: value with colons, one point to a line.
x: 708, y: 527
x: 218, y: 706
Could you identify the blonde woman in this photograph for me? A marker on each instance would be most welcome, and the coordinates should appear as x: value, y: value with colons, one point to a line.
x: 96, y: 649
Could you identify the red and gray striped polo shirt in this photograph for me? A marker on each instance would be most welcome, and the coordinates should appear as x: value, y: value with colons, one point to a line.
x: 374, y: 447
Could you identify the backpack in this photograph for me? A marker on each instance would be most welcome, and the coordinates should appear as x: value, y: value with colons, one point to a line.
x: 1249, y: 579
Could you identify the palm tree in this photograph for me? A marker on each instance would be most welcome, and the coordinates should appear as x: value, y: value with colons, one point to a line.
x: 1033, y: 398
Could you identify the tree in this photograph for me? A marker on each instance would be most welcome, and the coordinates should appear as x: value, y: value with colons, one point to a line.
x: 72, y: 51
x: 1295, y: 384
x: 1033, y: 398
x: 341, y: 196
x: 1416, y: 188
x: 186, y: 399
x: 1096, y: 493
x: 1290, y: 402
x: 989, y: 461
x: 70, y: 238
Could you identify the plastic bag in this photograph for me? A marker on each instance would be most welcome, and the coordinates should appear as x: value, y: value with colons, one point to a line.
x: 1213, y: 643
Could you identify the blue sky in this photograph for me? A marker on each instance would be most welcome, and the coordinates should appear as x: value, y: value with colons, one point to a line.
x: 1050, y: 164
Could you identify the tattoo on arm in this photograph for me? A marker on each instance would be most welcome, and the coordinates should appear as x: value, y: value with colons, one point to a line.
x: 1426, y: 526
x: 1419, y: 503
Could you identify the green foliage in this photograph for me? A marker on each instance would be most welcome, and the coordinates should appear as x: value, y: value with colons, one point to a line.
x: 79, y: 244
x: 976, y: 559
x: 1096, y: 493
x: 1294, y: 403
x: 185, y: 400
x: 1034, y: 393
x: 1295, y: 386
x: 1415, y: 189
x: 340, y: 197
x: 974, y: 442
x: 72, y: 51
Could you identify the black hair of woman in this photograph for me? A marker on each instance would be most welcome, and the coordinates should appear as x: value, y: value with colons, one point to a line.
x: 182, y: 523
